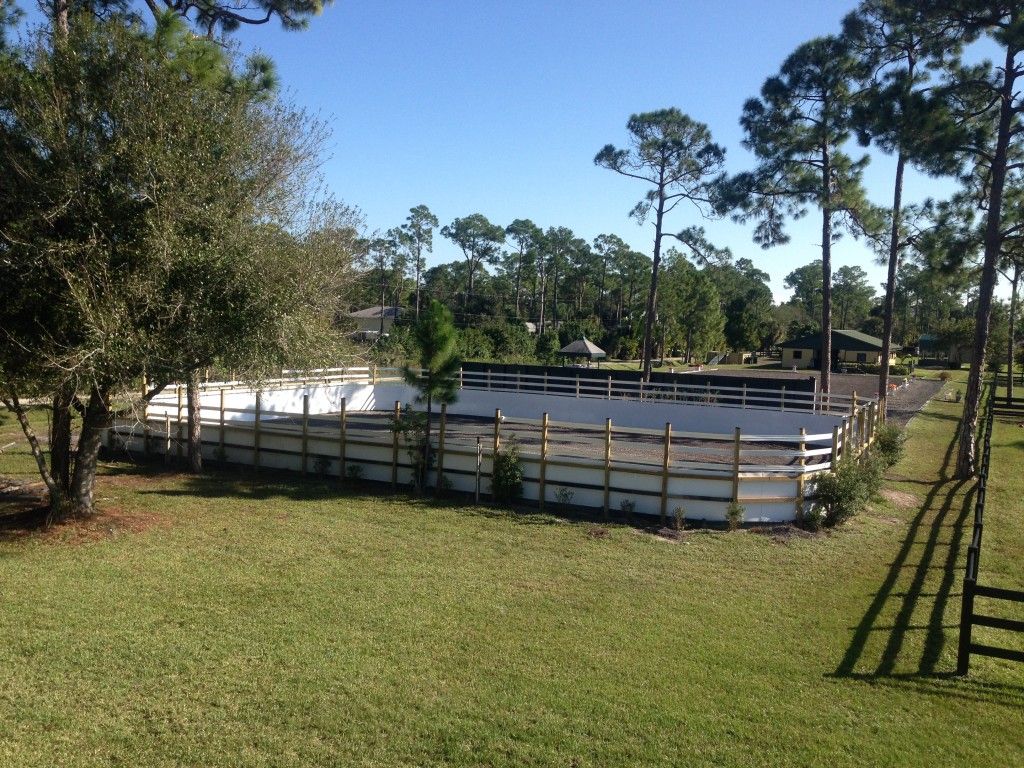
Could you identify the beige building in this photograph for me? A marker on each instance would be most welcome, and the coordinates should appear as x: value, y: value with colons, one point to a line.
x: 848, y: 347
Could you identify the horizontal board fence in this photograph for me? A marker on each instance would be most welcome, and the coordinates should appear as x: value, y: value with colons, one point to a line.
x: 969, y: 617
x: 601, y: 466
x: 718, y: 389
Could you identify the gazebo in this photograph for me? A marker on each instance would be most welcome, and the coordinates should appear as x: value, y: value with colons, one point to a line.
x: 582, y: 348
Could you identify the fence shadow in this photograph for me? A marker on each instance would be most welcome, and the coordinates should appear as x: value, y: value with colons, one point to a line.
x: 913, y: 646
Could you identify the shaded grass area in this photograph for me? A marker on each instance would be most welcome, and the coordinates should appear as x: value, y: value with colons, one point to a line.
x: 256, y: 621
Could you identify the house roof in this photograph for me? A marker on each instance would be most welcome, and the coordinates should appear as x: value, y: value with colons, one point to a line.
x: 582, y: 348
x: 376, y: 312
x: 854, y: 341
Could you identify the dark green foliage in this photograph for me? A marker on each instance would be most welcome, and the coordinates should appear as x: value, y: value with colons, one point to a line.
x: 474, y: 344
x: 734, y: 516
x: 845, y: 492
x: 507, y: 481
x: 889, y: 444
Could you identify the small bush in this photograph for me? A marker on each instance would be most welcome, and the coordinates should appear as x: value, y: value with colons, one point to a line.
x: 507, y: 482
x: 627, y: 507
x: 734, y: 515
x: 354, y: 472
x: 890, y: 443
x: 945, y: 376
x: 847, y: 491
x: 321, y: 466
x: 564, y: 496
x: 679, y: 518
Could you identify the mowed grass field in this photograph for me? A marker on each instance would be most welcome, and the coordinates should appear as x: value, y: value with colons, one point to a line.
x: 233, y: 620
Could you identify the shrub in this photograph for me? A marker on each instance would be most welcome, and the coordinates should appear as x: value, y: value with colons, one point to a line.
x: 889, y: 443
x: 507, y: 482
x: 679, y: 518
x: 354, y: 472
x: 734, y: 515
x: 945, y: 376
x: 847, y: 491
x: 627, y: 507
x: 564, y: 495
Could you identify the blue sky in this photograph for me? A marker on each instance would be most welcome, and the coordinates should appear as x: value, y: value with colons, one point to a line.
x: 499, y: 107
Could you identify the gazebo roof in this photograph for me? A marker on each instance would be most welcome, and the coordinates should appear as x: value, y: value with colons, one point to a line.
x: 582, y: 348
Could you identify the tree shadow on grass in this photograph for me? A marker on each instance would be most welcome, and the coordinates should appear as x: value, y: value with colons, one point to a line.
x: 913, y: 649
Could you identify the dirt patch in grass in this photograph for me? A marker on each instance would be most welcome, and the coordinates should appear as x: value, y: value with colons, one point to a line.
x: 783, y: 534
x: 900, y: 499
x: 23, y: 515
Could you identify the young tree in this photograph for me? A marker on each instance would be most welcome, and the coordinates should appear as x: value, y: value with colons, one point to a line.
x: 480, y: 241
x: 797, y: 130
x: 899, y: 45
x: 676, y: 156
x: 437, y: 375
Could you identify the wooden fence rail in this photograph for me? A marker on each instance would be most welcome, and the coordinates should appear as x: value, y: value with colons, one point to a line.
x: 969, y: 618
x: 698, y: 470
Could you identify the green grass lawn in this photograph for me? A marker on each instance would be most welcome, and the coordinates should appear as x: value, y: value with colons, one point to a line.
x: 227, y: 621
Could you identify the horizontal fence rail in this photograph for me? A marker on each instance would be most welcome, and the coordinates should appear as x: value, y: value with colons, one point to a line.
x: 969, y: 618
x: 611, y: 388
x: 689, y: 474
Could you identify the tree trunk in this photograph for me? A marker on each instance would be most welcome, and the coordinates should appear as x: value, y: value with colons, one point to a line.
x: 993, y: 245
x: 889, y: 309
x: 652, y: 294
x: 826, y: 270
x: 519, y: 281
x: 195, y: 423
x: 1009, y: 344
x: 419, y: 266
x: 425, y: 469
x: 60, y: 445
x: 543, y: 300
x: 83, y: 480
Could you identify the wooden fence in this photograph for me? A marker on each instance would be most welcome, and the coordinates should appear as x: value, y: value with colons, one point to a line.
x: 969, y: 618
x: 600, y: 466
x: 743, y: 396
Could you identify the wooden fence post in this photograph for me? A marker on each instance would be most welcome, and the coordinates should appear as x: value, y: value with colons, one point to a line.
x: 305, y: 433
x: 783, y: 398
x: 256, y: 432
x: 543, y: 458
x: 743, y: 402
x: 167, y: 438
x: 963, y: 656
x: 607, y: 463
x: 496, y: 445
x: 800, y: 478
x: 736, y: 465
x: 835, y: 448
x: 394, y: 447
x: 666, y: 457
x: 221, y: 422
x: 146, y: 447
x: 177, y: 426
x: 577, y: 384
x: 342, y: 429
x: 479, y: 462
x: 440, y: 447
x: 853, y: 421
x: 609, y: 386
